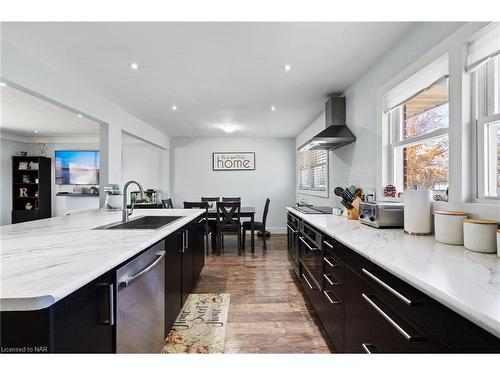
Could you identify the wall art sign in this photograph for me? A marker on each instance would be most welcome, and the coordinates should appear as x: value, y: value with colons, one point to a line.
x: 233, y: 161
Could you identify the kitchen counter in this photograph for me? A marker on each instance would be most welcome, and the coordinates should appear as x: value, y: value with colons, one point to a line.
x: 464, y: 281
x: 43, y: 261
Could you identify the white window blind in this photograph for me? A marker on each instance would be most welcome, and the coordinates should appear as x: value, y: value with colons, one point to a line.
x: 423, y: 79
x: 313, y: 170
x: 484, y: 46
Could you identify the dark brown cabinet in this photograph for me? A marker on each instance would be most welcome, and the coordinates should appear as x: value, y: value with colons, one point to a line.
x: 173, y: 278
x: 197, y: 246
x: 293, y: 242
x: 87, y: 314
x: 82, y: 322
x: 333, y: 293
x: 366, y: 309
x: 184, y: 262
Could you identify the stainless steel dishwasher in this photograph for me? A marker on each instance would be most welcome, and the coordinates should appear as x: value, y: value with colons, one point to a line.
x: 140, y: 299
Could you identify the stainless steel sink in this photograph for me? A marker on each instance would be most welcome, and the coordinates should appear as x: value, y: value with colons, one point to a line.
x: 144, y: 222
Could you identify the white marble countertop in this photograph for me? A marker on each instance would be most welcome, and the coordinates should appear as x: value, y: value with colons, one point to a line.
x: 45, y: 260
x: 465, y: 281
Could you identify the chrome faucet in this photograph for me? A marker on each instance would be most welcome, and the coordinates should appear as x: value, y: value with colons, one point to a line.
x: 126, y: 213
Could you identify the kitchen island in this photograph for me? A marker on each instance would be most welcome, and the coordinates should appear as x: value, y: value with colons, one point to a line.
x: 48, y: 263
x: 457, y: 282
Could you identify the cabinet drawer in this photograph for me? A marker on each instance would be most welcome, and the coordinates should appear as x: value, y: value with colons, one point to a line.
x: 374, y: 325
x: 334, y: 247
x: 311, y: 289
x: 435, y: 318
x: 331, y: 314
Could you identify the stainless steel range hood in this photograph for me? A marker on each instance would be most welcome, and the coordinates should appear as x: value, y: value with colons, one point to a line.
x: 336, y: 133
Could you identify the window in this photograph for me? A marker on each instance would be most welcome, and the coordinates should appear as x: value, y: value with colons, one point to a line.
x: 313, y: 170
x: 418, y: 140
x: 484, y: 66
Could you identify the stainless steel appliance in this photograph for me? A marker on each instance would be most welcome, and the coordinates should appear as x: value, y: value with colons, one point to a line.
x: 382, y: 214
x: 311, y: 256
x: 336, y: 133
x: 140, y: 310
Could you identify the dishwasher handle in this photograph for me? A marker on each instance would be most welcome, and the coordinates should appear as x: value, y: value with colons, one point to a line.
x: 130, y: 279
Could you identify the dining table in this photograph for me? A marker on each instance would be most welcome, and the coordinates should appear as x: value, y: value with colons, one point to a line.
x: 245, y: 212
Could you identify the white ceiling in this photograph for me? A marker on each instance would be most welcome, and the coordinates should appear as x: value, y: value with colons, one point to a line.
x: 21, y: 114
x: 215, y: 73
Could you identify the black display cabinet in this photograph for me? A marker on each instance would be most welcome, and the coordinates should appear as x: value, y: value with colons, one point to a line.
x: 31, y: 188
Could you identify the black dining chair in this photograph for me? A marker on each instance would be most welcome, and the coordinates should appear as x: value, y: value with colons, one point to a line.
x: 228, y: 222
x: 203, y: 205
x: 235, y: 199
x: 167, y: 203
x: 211, y: 202
x: 212, y: 223
x: 257, y: 225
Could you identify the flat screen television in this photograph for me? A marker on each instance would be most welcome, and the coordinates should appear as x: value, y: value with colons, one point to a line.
x: 77, y: 167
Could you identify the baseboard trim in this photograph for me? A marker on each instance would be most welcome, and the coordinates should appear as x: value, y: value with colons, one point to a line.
x: 277, y: 230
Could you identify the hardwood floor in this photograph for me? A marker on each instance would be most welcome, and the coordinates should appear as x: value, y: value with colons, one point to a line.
x: 267, y: 313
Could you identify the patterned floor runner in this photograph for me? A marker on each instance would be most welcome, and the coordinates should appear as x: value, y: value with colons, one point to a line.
x: 200, y: 326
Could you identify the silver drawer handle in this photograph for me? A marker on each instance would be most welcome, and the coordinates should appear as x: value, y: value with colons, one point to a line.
x: 384, y: 285
x: 129, y: 280
x: 406, y: 335
x: 309, y: 246
x: 329, y: 298
x: 327, y: 244
x: 369, y: 348
x: 330, y: 281
x: 307, y: 281
x: 289, y: 227
x: 330, y: 263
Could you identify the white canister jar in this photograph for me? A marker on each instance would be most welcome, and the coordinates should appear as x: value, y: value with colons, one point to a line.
x: 449, y: 227
x: 480, y: 235
x: 417, y: 212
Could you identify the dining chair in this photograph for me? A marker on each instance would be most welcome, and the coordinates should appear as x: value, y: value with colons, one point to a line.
x: 258, y: 225
x: 228, y: 222
x: 203, y: 205
x: 212, y: 202
x: 235, y: 199
x: 167, y: 203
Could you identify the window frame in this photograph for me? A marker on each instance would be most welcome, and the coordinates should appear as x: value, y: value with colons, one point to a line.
x: 324, y: 193
x: 394, y: 121
x: 485, y: 110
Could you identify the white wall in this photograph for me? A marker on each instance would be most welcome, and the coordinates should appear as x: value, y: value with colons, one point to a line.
x: 9, y: 148
x: 192, y: 176
x: 145, y: 164
x: 357, y: 163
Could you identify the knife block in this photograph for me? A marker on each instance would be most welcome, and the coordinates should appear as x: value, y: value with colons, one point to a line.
x: 353, y: 214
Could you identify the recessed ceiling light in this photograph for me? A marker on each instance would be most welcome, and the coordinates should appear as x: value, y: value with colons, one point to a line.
x: 273, y: 108
x: 79, y: 115
x: 228, y: 128
x: 174, y: 108
x: 35, y: 131
x: 3, y: 84
x: 134, y: 66
x: 287, y: 67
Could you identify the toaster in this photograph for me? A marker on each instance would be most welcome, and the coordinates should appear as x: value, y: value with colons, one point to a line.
x: 382, y: 214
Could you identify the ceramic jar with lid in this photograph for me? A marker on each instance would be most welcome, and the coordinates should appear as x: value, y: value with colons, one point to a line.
x: 448, y: 226
x: 480, y: 235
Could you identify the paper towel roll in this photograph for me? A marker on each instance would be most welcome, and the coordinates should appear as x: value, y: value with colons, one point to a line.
x: 417, y: 212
